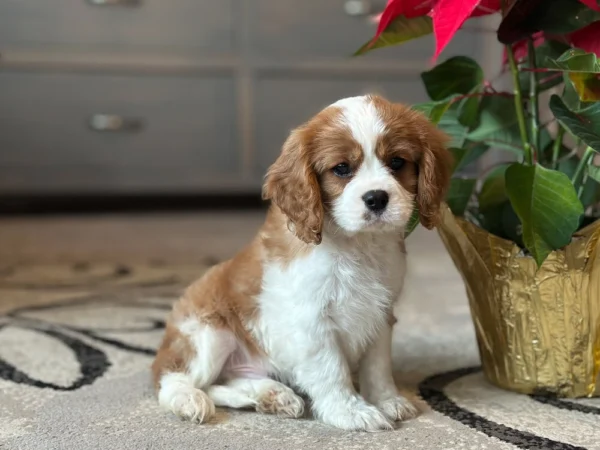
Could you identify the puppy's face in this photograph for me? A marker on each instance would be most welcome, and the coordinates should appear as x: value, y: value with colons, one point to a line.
x: 361, y: 165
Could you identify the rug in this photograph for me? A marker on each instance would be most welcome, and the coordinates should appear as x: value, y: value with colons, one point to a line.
x: 77, y: 340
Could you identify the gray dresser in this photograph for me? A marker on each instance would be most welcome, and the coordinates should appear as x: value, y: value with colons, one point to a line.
x: 179, y: 96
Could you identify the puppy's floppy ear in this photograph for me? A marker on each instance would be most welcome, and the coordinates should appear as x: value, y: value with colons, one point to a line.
x: 291, y: 184
x: 435, y: 170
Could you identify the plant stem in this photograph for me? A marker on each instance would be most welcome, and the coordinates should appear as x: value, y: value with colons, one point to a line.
x: 582, y: 185
x: 533, y: 97
x: 529, y: 159
x: 583, y: 162
x: 557, y: 146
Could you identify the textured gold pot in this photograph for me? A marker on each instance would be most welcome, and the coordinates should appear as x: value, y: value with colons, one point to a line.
x: 538, y: 331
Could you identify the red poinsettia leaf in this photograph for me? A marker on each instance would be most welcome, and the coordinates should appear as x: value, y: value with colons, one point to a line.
x: 587, y: 38
x: 392, y: 10
x: 591, y: 4
x: 417, y: 8
x: 448, y: 17
x: 487, y: 7
x: 407, y: 8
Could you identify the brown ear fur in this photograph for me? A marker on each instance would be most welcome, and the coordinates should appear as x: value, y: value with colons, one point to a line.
x: 435, y: 170
x: 291, y: 184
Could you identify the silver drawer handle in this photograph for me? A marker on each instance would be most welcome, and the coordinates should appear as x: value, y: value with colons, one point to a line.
x: 114, y: 123
x: 358, y: 8
x: 115, y: 2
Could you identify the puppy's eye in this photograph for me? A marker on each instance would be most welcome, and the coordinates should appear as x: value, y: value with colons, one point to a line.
x: 396, y: 163
x: 342, y: 170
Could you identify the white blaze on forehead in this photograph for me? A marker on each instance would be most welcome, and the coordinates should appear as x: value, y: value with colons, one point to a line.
x: 361, y: 117
x: 363, y: 120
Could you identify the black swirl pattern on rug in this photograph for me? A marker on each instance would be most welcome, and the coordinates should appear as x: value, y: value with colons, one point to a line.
x: 432, y: 391
x: 93, y: 361
x: 564, y: 404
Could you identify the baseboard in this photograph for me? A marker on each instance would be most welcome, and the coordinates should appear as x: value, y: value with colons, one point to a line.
x: 98, y: 204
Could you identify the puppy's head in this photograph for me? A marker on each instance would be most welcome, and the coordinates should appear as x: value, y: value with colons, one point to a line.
x: 361, y: 164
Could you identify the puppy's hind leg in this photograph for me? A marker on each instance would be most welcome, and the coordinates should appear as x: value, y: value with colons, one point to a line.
x: 189, y: 360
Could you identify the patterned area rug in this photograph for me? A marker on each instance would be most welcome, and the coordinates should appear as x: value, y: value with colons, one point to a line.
x: 76, y: 342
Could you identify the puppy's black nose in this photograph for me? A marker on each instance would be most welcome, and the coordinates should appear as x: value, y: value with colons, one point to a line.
x: 376, y: 201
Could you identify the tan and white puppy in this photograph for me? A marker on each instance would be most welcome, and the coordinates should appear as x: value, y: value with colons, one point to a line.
x: 309, y: 301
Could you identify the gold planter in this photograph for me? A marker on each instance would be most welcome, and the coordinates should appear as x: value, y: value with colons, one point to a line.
x: 538, y: 331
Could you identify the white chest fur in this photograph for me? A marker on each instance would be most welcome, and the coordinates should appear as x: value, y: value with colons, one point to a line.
x: 345, y: 286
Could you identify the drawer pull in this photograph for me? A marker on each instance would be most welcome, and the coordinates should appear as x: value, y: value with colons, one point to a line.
x: 108, y: 123
x: 115, y: 2
x: 357, y: 8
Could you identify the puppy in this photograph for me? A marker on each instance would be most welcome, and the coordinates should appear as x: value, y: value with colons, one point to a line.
x: 309, y: 301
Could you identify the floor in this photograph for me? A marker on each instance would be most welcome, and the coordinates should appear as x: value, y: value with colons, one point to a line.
x: 83, y: 300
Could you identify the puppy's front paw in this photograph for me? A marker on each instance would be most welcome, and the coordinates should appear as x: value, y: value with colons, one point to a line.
x: 356, y: 415
x: 281, y: 401
x: 193, y: 405
x: 398, y: 408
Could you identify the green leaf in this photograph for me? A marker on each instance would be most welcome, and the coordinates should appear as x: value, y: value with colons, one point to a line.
x: 547, y: 205
x: 570, y: 96
x: 434, y: 110
x: 584, y: 124
x: 511, y: 224
x: 591, y: 190
x: 412, y: 222
x: 573, y: 60
x: 467, y: 154
x: 587, y: 86
x: 450, y: 124
x: 546, y: 139
x: 457, y: 75
x: 468, y: 109
x: 502, y: 221
x: 547, y: 147
x: 446, y: 119
x: 589, y: 193
x: 583, y: 72
x: 493, y: 190
x: 400, y: 30
x: 564, y: 16
x: 594, y: 173
x: 568, y: 166
x: 461, y: 190
x: 498, y: 126
x: 548, y: 50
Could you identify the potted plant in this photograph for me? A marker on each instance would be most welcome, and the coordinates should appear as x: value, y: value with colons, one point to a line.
x: 523, y: 234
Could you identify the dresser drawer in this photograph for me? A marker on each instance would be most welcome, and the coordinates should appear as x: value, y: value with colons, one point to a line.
x: 292, y: 29
x: 121, y: 25
x: 283, y: 104
x: 117, y: 126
